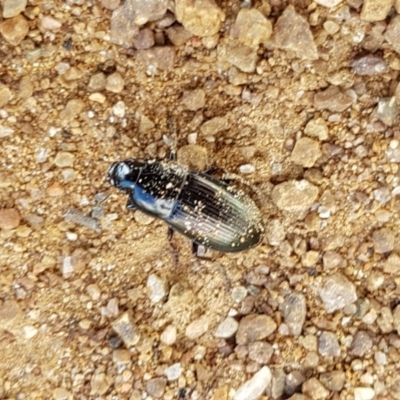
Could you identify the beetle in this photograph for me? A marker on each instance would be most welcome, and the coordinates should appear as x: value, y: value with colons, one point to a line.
x: 208, y: 211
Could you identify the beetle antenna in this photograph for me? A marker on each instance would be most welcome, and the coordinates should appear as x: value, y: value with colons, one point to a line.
x: 172, y: 140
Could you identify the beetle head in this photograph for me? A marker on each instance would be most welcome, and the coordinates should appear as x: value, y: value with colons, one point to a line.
x: 124, y: 174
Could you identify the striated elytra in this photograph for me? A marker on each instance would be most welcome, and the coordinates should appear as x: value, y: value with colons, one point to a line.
x: 208, y: 211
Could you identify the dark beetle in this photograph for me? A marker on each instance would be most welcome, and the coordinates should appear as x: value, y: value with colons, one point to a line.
x: 206, y: 210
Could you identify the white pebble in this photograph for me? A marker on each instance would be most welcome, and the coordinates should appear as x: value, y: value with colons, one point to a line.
x: 30, y: 331
x: 119, y: 109
x: 247, y: 169
x: 173, y: 372
x: 192, y: 138
x: 227, y: 328
x: 168, y: 336
x: 364, y: 393
x: 254, y: 387
x: 67, y: 268
x: 72, y: 236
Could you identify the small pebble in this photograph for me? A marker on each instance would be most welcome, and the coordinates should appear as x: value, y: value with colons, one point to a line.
x: 115, y: 83
x: 298, y: 38
x: 328, y: 345
x: 30, y: 331
x: 12, y: 8
x: 5, y: 131
x: 314, y: 389
x: 50, y: 24
x: 64, y: 159
x: 168, y: 336
x: 361, y: 344
x: 254, y: 327
x: 227, y: 328
x: 158, y: 288
x: 336, y: 292
x: 306, y: 152
x: 254, y: 387
x: 9, y: 218
x: 247, y: 169
x: 197, y: 328
x: 364, y: 393
x: 125, y: 328
x: 294, y: 312
x: 14, y: 29
x: 173, y: 372
x: 155, y: 387
x: 100, y: 383
x: 295, y: 196
x: 194, y: 100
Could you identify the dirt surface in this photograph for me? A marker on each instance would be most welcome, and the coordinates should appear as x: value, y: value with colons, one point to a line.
x: 313, y: 310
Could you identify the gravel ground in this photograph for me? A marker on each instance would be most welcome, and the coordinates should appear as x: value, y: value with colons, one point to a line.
x: 299, y: 97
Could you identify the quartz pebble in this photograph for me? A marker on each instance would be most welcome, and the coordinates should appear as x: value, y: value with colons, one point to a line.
x: 100, y: 383
x: 260, y: 352
x: 328, y: 345
x: 9, y: 311
x: 295, y: 196
x: 333, y: 380
x: 155, y: 387
x: 314, y: 389
x: 214, y: 126
x: 194, y: 100
x: 202, y: 18
x: 12, y: 8
x: 5, y: 131
x: 251, y: 27
x: 123, y: 26
x: 361, y: 344
x: 50, y: 24
x: 126, y: 329
x: 387, y: 110
x: 396, y: 319
x: 375, y: 10
x: 9, y: 218
x: 306, y: 152
x: 158, y: 288
x: 364, y: 393
x: 5, y: 95
x: 294, y: 312
x: 328, y: 3
x: 254, y: 327
x: 317, y: 128
x: 14, y: 29
x: 178, y: 35
x: 197, y: 328
x: 247, y: 169
x: 241, y: 56
x: 61, y: 394
x: 144, y: 39
x: 383, y: 240
x: 292, y: 33
x: 392, y: 33
x: 254, y: 387
x: 115, y: 83
x: 64, y: 159
x: 173, y: 372
x: 168, y: 336
x: 227, y: 328
x: 336, y: 292
x: 369, y: 65
x: 332, y: 99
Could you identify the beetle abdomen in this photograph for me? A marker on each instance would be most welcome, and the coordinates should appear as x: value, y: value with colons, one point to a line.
x: 213, y: 216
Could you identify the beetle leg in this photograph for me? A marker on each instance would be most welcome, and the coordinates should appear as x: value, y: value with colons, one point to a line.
x: 195, y: 248
x: 170, y: 234
x: 130, y: 204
